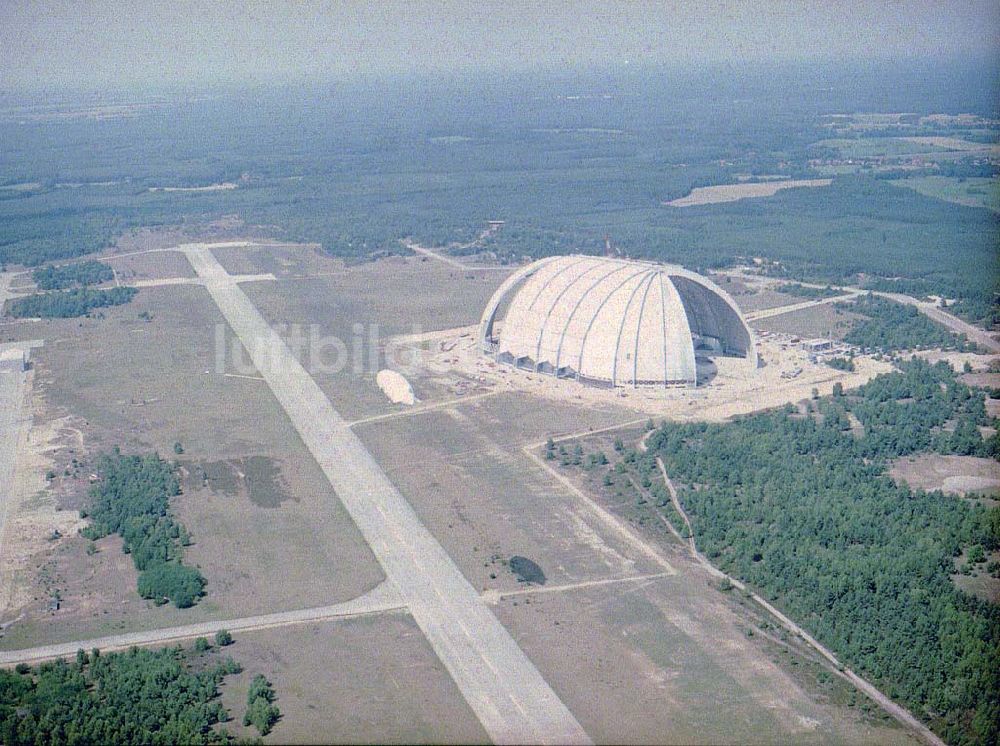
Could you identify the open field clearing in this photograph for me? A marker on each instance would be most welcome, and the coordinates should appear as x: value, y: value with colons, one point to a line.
x: 874, y: 147
x: 950, y: 143
x: 821, y: 320
x: 353, y: 681
x: 487, y: 502
x: 675, y: 663
x: 155, y: 265
x: 763, y: 300
x: 146, y: 385
x: 222, y: 187
x: 957, y: 474
x: 354, y: 308
x: 971, y: 191
x: 799, y: 305
x: 733, y: 192
x: 280, y: 259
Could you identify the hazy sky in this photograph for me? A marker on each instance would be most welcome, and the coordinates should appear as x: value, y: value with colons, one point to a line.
x: 128, y: 42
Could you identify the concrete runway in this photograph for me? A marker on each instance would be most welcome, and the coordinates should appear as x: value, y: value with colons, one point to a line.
x: 502, y: 686
x: 14, y: 421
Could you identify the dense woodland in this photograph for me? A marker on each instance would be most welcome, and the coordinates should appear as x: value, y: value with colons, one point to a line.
x: 890, y: 327
x: 65, y: 304
x: 564, y: 160
x: 167, y: 696
x: 132, y: 499
x: 60, y: 277
x: 800, y: 507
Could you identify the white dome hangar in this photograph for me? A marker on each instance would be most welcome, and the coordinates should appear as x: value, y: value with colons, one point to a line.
x: 613, y: 322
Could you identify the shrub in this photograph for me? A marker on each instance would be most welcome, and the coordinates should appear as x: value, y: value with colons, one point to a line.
x: 181, y: 584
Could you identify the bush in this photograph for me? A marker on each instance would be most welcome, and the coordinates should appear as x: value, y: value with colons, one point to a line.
x: 261, y: 712
x: 841, y: 363
x: 181, y: 584
x: 223, y: 638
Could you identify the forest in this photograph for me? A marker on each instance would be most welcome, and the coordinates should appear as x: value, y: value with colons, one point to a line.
x: 65, y: 304
x: 164, y: 696
x: 132, y: 499
x: 801, y: 508
x: 891, y: 327
x: 342, y: 168
x: 62, y: 276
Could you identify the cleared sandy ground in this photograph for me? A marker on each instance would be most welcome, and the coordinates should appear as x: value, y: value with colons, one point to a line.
x: 13, y: 421
x: 957, y: 474
x: 727, y: 388
x: 733, y: 192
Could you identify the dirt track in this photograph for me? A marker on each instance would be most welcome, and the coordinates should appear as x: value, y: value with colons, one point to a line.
x: 781, y: 310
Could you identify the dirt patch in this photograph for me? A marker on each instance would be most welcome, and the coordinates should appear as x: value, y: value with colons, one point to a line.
x: 257, y: 478
x: 960, y: 475
x: 733, y: 192
x: 37, y: 523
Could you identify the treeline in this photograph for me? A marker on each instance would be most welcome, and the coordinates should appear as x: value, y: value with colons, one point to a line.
x: 802, y: 509
x: 891, y: 327
x: 132, y: 499
x: 65, y: 304
x: 134, y: 697
x: 60, y: 277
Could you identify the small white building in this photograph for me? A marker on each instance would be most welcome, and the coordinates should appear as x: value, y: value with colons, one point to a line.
x: 13, y: 359
x: 817, y: 345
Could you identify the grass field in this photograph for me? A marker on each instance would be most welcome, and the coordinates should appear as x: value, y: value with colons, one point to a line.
x: 734, y: 192
x: 370, y: 680
x: 824, y: 320
x: 971, y: 191
x: 153, y: 266
x: 874, y: 147
x: 144, y: 386
x: 673, y: 661
x: 352, y: 306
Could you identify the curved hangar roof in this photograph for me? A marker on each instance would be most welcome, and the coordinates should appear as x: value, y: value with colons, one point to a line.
x: 613, y: 322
